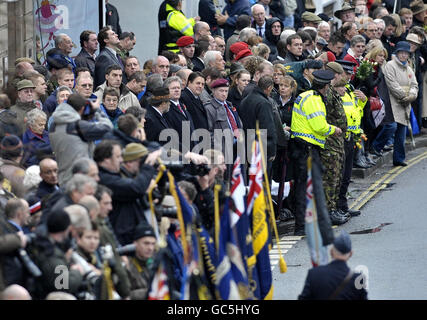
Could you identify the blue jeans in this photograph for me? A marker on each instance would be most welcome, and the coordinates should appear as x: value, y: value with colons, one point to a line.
x: 399, y: 143
x: 383, y: 138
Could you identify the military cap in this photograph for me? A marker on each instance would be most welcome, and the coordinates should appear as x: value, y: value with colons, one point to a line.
x: 242, y: 54
x: 184, y: 41
x: 143, y: 230
x: 343, y: 242
x: 23, y: 84
x: 323, y: 76
x: 134, y: 151
x: 308, y: 16
x: 348, y: 66
x: 345, y: 7
x: 335, y: 67
x: 220, y: 83
x: 159, y: 95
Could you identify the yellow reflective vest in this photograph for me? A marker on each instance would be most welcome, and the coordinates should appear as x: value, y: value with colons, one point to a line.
x: 309, y: 119
x: 353, y: 108
x: 178, y: 26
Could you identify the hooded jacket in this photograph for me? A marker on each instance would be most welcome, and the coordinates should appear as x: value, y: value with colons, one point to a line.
x: 270, y: 39
x: 72, y: 138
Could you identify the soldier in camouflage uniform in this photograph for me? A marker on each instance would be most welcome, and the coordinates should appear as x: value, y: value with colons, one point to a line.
x: 333, y: 154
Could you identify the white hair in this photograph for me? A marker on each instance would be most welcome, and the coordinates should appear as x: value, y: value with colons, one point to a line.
x: 256, y: 6
x: 323, y: 24
x: 286, y: 33
x: 32, y: 177
x: 246, y: 33
x: 34, y: 114
x: 210, y: 56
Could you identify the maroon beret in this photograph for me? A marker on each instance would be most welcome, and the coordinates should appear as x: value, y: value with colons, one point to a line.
x: 219, y: 83
x: 184, y: 41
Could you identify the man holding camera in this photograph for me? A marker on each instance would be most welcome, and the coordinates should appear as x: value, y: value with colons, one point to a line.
x: 127, y: 192
x: 71, y: 137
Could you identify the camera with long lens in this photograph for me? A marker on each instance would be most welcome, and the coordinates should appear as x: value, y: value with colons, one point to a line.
x: 161, y: 211
x: 88, y: 274
x: 126, y: 250
x: 25, y: 258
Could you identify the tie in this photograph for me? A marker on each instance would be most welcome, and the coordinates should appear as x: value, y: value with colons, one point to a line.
x: 120, y: 60
x: 180, y: 109
x: 232, y: 121
x: 260, y: 31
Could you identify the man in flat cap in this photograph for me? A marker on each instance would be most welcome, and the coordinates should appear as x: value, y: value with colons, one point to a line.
x: 335, y: 281
x: 139, y: 267
x: 309, y: 19
x: 332, y: 156
x: 187, y: 47
x: 132, y: 156
x: 24, y: 103
x: 309, y: 130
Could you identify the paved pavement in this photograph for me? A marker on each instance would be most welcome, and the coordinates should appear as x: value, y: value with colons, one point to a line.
x: 382, y: 259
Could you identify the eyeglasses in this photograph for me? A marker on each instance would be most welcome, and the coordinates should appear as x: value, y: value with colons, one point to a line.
x: 372, y: 30
x: 86, y: 85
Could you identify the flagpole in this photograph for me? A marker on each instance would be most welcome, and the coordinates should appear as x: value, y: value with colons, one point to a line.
x: 216, y: 201
x: 283, y: 266
x: 162, y: 169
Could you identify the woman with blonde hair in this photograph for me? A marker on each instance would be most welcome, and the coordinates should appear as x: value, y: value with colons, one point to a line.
x: 261, y: 50
x: 400, y: 27
x: 279, y: 72
x: 285, y: 99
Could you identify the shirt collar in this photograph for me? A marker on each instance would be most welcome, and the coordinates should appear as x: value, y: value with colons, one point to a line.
x: 16, y: 225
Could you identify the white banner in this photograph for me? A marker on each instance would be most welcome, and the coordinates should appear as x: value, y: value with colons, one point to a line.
x: 53, y: 17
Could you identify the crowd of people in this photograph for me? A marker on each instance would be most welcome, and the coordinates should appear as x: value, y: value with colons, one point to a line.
x: 82, y: 138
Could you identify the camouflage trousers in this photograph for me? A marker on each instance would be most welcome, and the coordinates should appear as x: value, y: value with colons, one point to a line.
x: 333, y: 163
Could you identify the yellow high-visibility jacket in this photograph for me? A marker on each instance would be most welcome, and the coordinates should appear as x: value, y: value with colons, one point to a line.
x: 353, y: 108
x: 309, y: 119
x: 178, y: 26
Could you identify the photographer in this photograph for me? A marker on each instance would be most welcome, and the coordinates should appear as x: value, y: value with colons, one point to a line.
x: 71, y: 137
x: 18, y: 215
x: 127, y: 208
x: 205, y: 187
x: 52, y: 252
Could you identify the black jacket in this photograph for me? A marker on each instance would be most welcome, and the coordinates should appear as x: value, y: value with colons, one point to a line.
x: 235, y: 97
x: 112, y: 18
x: 84, y: 59
x: 322, y: 282
x: 195, y: 108
x: 128, y: 210
x: 176, y: 120
x: 256, y: 106
x: 270, y: 39
x: 45, y: 190
x: 198, y: 65
x: 154, y: 124
x: 105, y: 59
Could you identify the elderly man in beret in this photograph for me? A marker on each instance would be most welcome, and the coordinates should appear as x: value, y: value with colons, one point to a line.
x: 335, y: 281
x: 223, y: 119
x: 186, y: 48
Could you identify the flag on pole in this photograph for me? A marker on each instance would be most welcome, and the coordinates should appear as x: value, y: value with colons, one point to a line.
x: 260, y: 238
x: 318, y: 251
x: 160, y: 289
x: 231, y: 277
x: 238, y: 192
